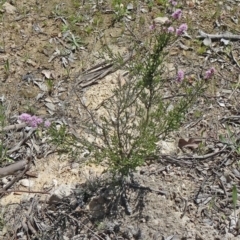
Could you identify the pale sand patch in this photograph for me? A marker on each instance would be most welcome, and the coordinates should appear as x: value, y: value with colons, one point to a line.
x: 53, y: 172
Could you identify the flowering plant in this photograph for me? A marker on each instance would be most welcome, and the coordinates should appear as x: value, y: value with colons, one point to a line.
x: 33, y: 121
x: 137, y: 115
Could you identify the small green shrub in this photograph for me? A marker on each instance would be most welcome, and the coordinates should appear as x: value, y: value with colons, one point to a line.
x: 137, y: 115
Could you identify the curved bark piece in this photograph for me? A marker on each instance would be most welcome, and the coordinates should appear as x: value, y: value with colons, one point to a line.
x: 11, y: 169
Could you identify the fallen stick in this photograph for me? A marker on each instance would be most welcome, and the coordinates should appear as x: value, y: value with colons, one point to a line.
x: 19, y: 176
x: 23, y: 191
x: 218, y: 36
x: 13, y: 127
x: 11, y: 169
x: 204, y: 156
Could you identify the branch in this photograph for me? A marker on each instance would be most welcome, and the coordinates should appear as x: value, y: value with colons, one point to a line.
x: 218, y: 36
x: 13, y: 127
x: 11, y: 169
x: 19, y: 176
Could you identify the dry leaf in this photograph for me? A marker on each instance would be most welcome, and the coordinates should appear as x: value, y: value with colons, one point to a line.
x: 50, y: 106
x: 191, y: 143
x: 47, y: 73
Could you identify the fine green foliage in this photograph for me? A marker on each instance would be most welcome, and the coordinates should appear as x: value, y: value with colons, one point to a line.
x: 60, y: 137
x: 137, y: 115
x: 125, y: 130
x: 231, y: 139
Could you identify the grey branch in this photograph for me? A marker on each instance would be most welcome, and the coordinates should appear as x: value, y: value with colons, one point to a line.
x: 13, y: 127
x: 218, y: 36
x: 11, y: 169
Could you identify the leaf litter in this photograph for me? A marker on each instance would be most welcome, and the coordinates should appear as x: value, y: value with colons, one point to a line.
x: 194, y: 184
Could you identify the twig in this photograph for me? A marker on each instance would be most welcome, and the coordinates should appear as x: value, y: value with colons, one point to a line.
x: 23, y: 191
x: 233, y: 117
x: 176, y: 161
x: 77, y: 221
x: 218, y: 36
x: 147, y: 188
x: 185, y: 206
x: 11, y: 169
x: 19, y: 175
x: 223, y: 186
x: 204, y: 156
x: 13, y: 127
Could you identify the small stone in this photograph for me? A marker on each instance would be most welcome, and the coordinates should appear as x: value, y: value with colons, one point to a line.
x: 9, y: 8
x: 130, y: 7
x: 31, y: 62
x: 75, y: 165
x: 161, y: 20
x: 155, y: 222
x: 4, y: 180
x: 26, y: 182
x: 61, y: 192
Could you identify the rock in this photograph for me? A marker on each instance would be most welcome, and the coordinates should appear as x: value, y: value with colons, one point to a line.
x: 161, y: 20
x: 9, y: 8
x: 75, y: 165
x: 26, y: 182
x: 61, y: 192
x: 96, y: 207
x: 167, y: 147
x: 130, y: 7
x: 4, y: 180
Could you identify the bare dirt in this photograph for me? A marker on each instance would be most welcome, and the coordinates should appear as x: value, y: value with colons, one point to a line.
x: 179, y: 195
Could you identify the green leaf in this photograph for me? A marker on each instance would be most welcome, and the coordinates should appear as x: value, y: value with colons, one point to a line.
x: 234, y: 196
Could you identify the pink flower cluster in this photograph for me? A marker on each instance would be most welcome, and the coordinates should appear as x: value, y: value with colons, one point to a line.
x: 180, y: 76
x: 152, y: 27
x: 33, y: 121
x: 172, y: 2
x: 170, y: 29
x: 210, y: 73
x: 177, y: 14
x: 179, y: 31
x: 182, y: 28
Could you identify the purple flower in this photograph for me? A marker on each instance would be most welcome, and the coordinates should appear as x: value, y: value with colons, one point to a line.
x: 152, y: 27
x: 25, y: 117
x: 32, y: 121
x: 177, y: 14
x: 183, y: 27
x: 174, y: 3
x: 210, y: 73
x: 170, y: 30
x: 35, y: 121
x: 47, y: 124
x: 180, y: 76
